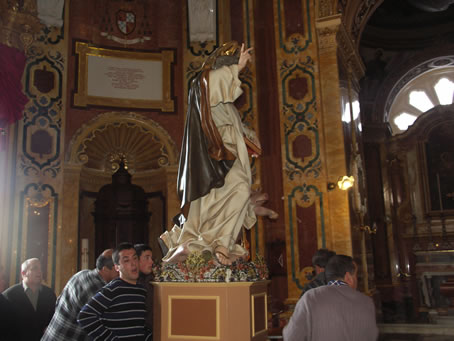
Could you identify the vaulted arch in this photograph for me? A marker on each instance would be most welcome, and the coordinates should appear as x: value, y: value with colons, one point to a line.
x: 112, y: 136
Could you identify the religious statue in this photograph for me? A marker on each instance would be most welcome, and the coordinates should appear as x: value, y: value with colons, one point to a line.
x: 214, y: 175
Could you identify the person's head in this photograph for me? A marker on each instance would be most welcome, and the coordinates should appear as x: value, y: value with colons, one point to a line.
x: 126, y: 262
x: 31, y: 272
x: 145, y: 258
x: 105, y: 266
x: 321, y: 258
x: 342, y: 267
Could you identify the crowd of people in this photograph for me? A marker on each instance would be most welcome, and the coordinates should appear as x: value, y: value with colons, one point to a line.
x: 112, y: 301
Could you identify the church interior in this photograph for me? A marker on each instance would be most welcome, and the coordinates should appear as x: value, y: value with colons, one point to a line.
x: 339, y: 92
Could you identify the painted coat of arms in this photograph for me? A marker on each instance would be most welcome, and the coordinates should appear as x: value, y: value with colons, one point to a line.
x: 126, y: 21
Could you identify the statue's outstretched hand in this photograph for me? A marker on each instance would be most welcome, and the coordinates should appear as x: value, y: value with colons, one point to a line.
x: 245, y: 56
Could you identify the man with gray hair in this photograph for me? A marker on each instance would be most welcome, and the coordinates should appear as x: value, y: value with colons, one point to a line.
x: 76, y: 293
x: 33, y: 303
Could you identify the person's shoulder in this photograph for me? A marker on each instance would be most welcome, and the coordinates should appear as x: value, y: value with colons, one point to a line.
x: 315, y: 293
x: 113, y: 284
x: 84, y: 272
x: 14, y: 289
x: 3, y: 299
x: 328, y: 290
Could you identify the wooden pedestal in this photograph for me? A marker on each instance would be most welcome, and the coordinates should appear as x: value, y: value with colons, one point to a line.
x: 210, y: 311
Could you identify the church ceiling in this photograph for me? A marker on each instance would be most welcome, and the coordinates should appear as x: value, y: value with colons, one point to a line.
x: 409, y: 24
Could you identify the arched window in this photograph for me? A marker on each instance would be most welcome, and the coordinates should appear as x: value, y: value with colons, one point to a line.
x: 421, y: 94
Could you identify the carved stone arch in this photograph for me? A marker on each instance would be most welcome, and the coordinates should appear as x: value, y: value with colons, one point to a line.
x: 92, y: 157
x: 356, y: 14
x: 142, y: 142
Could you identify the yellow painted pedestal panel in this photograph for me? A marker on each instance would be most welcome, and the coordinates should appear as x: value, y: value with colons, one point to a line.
x: 210, y: 311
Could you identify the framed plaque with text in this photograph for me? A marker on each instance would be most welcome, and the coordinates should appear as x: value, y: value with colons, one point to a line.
x: 125, y: 79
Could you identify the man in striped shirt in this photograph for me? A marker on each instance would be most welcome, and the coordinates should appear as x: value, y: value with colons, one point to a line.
x: 118, y: 310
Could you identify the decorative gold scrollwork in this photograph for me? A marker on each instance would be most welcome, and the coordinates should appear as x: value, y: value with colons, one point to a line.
x: 368, y: 229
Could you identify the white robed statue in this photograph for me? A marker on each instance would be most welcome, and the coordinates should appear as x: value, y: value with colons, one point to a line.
x: 214, y: 175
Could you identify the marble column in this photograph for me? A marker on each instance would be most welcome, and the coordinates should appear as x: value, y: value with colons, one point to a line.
x: 338, y: 215
x: 67, y: 240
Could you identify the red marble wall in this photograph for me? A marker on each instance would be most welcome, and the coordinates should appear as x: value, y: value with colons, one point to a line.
x: 163, y: 18
x: 269, y: 122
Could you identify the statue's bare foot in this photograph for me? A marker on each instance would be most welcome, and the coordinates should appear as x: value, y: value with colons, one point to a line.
x: 265, y: 212
x: 259, y: 198
x: 222, y: 258
x: 180, y: 254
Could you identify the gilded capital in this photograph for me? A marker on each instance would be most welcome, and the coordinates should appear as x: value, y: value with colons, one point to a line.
x: 327, y: 29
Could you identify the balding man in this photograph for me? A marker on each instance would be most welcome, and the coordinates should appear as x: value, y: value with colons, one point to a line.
x: 33, y: 302
x: 76, y: 293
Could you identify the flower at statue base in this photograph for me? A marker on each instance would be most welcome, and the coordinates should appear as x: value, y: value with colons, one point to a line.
x: 201, y: 267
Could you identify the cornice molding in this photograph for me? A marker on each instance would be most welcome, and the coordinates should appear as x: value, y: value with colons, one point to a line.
x: 333, y: 36
x: 349, y: 54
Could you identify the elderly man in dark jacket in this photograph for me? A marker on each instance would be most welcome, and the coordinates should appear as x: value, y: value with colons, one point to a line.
x: 33, y: 303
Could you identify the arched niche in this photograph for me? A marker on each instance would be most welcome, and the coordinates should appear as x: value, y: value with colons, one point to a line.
x: 99, y: 129
x: 94, y: 154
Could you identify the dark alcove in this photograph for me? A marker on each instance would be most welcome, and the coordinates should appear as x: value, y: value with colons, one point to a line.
x: 121, y: 213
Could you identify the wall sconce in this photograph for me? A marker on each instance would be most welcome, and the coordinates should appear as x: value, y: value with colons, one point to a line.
x: 345, y: 182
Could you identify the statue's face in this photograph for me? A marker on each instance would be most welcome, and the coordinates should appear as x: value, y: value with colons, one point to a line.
x: 225, y: 61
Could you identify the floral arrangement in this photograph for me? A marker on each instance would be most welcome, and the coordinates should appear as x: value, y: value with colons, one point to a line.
x: 201, y: 267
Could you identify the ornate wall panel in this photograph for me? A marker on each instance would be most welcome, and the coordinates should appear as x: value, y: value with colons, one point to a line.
x: 296, y: 58
x: 34, y: 216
